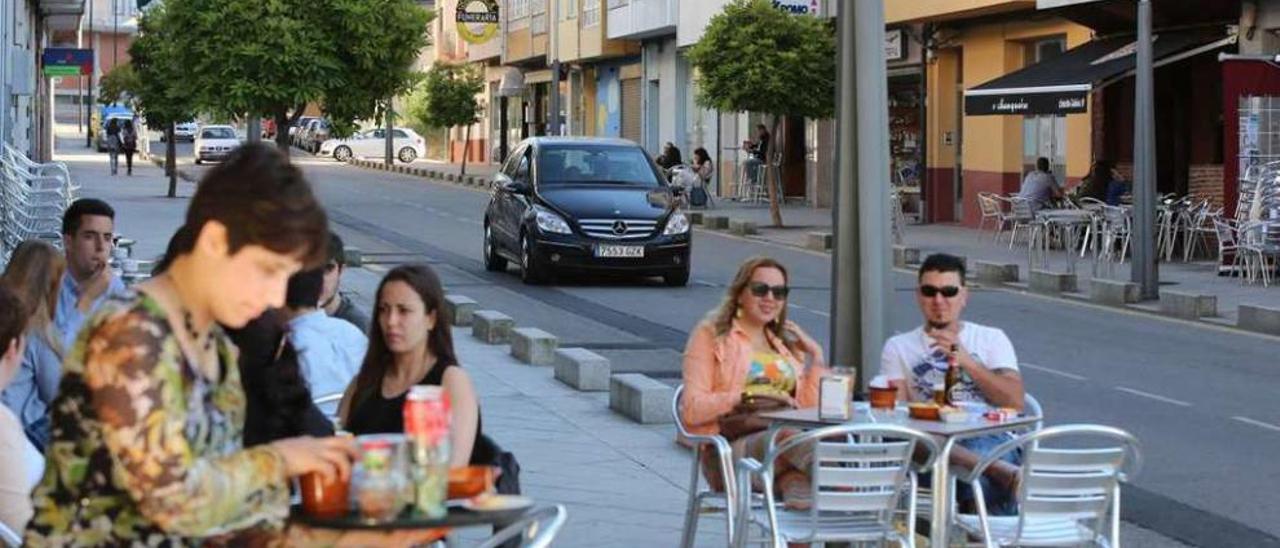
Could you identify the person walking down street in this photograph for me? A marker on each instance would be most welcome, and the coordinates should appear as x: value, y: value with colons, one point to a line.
x: 918, y: 360
x: 703, y: 166
x: 34, y: 274
x: 128, y: 144
x: 1039, y: 186
x: 113, y: 143
x: 746, y: 358
x: 669, y: 158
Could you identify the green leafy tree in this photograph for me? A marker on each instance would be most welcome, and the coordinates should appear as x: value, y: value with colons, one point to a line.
x: 120, y: 82
x: 250, y: 58
x: 446, y: 98
x: 159, y: 93
x: 757, y: 58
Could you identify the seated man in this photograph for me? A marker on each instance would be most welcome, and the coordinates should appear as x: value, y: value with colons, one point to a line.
x: 332, y: 300
x: 329, y: 350
x: 1039, y: 186
x: 916, y: 361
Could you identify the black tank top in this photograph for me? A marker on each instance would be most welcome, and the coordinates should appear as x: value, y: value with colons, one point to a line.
x: 379, y: 415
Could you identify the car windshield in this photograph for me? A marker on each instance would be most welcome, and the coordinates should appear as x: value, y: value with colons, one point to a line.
x: 218, y: 133
x: 561, y: 164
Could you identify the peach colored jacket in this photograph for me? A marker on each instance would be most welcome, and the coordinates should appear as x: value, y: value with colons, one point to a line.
x: 715, y: 374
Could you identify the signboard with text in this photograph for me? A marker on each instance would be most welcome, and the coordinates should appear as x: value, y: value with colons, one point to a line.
x: 477, y: 20
x: 67, y: 61
x: 1051, y: 103
x: 797, y: 7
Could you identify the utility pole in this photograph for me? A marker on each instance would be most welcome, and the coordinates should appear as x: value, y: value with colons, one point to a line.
x: 115, y: 33
x: 860, y: 275
x: 4, y: 75
x: 390, y: 160
x: 1145, y: 272
x: 93, y: 26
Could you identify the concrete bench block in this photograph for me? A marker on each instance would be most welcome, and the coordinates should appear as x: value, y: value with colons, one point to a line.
x: 450, y: 177
x: 695, y: 217
x: 1188, y: 306
x: 533, y: 346
x: 1052, y: 283
x: 582, y: 369
x: 640, y: 398
x: 742, y: 227
x: 905, y: 257
x: 353, y: 256
x: 716, y: 222
x: 491, y: 326
x: 1112, y: 292
x: 1260, y: 319
x: 995, y: 273
x: 459, y: 309
x: 819, y: 241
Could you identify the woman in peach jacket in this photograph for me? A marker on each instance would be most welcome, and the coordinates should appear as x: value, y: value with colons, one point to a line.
x: 747, y: 347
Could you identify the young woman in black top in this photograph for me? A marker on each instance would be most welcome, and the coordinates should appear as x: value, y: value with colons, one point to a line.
x: 408, y: 345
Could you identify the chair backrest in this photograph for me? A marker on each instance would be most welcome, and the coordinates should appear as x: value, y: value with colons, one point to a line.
x: 1031, y: 407
x: 675, y: 411
x: 537, y: 529
x: 8, y: 537
x: 1226, y: 234
x: 1021, y: 207
x: 1073, y: 471
x: 988, y: 204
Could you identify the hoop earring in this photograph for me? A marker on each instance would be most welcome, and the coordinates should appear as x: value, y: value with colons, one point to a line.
x: 738, y: 312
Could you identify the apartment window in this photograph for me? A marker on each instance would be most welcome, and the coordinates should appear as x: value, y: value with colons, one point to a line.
x: 539, y: 19
x: 591, y: 13
x: 519, y: 9
x: 1043, y: 50
x: 570, y: 10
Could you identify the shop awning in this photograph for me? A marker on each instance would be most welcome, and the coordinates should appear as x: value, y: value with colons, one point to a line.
x: 1061, y: 85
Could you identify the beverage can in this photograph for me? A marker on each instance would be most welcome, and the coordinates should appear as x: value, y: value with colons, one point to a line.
x: 427, y: 413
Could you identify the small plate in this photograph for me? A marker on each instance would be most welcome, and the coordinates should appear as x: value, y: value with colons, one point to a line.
x: 496, y: 503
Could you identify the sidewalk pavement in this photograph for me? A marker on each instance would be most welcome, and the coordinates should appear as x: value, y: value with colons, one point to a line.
x: 1198, y: 277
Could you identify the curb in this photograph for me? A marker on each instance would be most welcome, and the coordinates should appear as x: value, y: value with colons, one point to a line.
x: 479, y: 183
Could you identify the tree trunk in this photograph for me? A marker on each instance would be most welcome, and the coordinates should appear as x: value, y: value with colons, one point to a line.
x: 771, y: 176
x: 390, y: 153
x: 170, y: 160
x: 466, y: 148
x: 282, y: 130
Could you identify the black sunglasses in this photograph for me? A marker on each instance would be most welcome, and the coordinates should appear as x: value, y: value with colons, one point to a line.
x: 931, y: 291
x: 761, y: 289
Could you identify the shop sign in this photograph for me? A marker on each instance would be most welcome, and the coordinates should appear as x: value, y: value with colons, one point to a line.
x: 1052, y: 103
x: 477, y: 20
x: 895, y: 45
x: 67, y: 61
x: 797, y: 7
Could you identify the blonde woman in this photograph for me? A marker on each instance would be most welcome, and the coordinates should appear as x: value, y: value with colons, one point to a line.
x: 747, y: 349
x: 33, y: 274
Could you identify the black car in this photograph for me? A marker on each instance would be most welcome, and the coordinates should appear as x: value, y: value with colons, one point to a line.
x: 585, y: 204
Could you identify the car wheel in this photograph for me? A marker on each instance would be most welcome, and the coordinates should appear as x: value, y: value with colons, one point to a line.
x: 198, y: 161
x: 492, y: 261
x: 408, y: 155
x: 679, y: 278
x: 530, y: 272
x: 342, y: 153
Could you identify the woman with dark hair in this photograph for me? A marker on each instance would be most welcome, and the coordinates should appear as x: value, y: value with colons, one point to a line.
x: 146, y: 445
x: 702, y: 165
x: 409, y: 345
x: 34, y: 274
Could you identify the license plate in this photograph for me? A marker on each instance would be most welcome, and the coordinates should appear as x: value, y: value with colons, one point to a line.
x: 622, y: 251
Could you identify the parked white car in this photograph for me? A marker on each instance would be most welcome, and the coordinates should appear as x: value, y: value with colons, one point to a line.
x: 215, y: 143
x: 407, y: 145
x: 185, y: 131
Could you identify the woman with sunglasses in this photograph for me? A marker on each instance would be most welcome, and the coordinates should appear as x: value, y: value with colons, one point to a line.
x: 746, y: 350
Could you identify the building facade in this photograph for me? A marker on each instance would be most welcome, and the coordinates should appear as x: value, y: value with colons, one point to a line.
x: 27, y: 27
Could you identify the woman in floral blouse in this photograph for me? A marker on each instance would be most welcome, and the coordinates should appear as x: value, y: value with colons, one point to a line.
x: 146, y: 445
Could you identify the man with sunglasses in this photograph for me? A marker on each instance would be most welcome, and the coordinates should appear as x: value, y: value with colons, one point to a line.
x: 917, y: 361
x: 334, y: 302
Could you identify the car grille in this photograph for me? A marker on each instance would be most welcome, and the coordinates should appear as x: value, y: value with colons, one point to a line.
x: 618, y: 229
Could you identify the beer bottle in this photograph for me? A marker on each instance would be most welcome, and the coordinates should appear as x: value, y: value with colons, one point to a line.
x: 953, y: 375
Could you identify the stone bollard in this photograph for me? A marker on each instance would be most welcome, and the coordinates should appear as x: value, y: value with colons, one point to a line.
x: 1259, y: 319
x: 742, y: 227
x: 818, y: 241
x: 533, y: 346
x: 1188, y: 306
x: 1112, y: 292
x: 459, y: 309
x: 995, y: 273
x: 582, y: 369
x: 491, y: 326
x: 1052, y: 283
x: 641, y: 398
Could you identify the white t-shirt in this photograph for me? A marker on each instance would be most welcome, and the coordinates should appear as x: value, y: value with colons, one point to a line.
x: 20, y: 469
x: 909, y: 356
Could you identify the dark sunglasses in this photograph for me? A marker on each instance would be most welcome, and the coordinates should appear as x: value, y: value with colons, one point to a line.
x: 931, y: 291
x: 760, y: 289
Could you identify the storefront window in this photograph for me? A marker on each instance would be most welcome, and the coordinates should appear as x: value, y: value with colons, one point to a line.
x: 904, y: 132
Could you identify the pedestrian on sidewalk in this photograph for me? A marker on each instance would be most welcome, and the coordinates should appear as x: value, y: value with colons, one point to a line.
x: 34, y: 273
x: 332, y: 300
x: 88, y: 236
x: 746, y: 358
x: 113, y: 143
x: 128, y: 144
x: 917, y: 361
x: 21, y: 465
x: 147, y: 429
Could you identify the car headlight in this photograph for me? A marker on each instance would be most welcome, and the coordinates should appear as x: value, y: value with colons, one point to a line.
x: 550, y: 222
x: 678, y: 223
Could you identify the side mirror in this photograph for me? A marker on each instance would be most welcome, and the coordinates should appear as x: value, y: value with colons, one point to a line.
x: 517, y: 186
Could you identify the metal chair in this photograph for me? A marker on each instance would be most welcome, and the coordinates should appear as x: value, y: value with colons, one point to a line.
x: 1069, y: 494
x: 537, y: 529
x: 1021, y: 215
x: 990, y: 208
x: 859, y: 472
x: 8, y: 537
x: 326, y: 399
x: 705, y: 499
x: 1228, y: 243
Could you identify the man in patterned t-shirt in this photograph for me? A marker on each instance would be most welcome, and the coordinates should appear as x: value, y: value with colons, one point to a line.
x: 915, y: 362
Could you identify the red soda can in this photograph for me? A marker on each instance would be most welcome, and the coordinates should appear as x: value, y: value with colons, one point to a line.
x: 426, y: 413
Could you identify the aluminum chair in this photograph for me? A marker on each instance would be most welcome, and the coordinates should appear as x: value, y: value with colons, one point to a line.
x: 705, y: 499
x: 323, y: 400
x: 9, y: 538
x: 537, y: 529
x: 1069, y: 494
x: 990, y: 208
x: 859, y: 472
x: 1021, y: 215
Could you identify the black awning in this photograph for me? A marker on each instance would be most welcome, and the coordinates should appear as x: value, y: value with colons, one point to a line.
x: 1061, y: 85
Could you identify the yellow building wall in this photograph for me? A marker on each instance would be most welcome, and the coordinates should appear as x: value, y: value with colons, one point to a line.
x: 519, y: 45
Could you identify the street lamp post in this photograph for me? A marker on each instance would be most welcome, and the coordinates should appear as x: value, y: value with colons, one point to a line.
x: 1145, y: 273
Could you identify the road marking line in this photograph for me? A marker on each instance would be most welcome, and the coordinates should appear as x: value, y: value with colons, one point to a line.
x: 1156, y: 397
x: 1257, y: 423
x: 1052, y: 371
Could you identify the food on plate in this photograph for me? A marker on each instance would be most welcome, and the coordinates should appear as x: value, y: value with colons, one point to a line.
x: 924, y: 410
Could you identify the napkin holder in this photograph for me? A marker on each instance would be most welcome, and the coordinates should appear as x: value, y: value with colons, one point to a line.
x: 835, y: 396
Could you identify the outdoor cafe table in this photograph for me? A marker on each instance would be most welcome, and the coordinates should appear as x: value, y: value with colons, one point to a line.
x: 951, y: 432
x: 1070, y: 221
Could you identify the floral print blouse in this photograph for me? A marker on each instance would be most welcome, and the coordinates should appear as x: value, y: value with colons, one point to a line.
x: 145, y: 449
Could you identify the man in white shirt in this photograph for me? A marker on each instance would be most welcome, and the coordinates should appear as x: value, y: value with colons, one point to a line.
x: 916, y: 361
x: 20, y: 464
x: 330, y: 350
